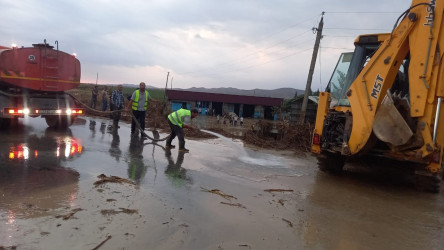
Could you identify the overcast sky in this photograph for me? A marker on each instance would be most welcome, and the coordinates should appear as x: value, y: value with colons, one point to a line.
x: 202, y: 43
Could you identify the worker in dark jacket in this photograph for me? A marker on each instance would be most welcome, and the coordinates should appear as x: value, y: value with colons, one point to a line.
x: 176, y: 121
x: 117, y: 104
x: 139, y: 105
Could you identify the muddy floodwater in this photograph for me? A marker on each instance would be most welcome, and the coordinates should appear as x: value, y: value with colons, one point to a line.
x: 221, y: 195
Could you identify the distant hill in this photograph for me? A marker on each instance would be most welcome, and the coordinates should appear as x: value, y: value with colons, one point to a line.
x: 135, y: 86
x: 286, y: 93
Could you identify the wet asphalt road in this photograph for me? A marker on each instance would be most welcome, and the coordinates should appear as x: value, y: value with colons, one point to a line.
x: 48, y: 199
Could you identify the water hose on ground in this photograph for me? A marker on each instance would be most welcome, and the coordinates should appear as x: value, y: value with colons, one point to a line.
x: 120, y: 110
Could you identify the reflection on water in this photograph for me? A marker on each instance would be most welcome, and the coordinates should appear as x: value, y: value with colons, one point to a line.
x: 33, y: 181
x: 136, y: 165
x: 36, y: 150
x: 92, y: 127
x: 67, y: 148
x: 174, y: 170
x: 114, y: 149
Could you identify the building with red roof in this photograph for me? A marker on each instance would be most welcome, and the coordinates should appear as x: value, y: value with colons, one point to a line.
x: 218, y: 104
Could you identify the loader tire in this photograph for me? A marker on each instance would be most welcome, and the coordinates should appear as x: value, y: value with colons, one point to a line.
x: 331, y: 163
x: 428, y: 182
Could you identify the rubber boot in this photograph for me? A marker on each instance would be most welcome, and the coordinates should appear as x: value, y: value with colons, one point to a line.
x: 182, y: 147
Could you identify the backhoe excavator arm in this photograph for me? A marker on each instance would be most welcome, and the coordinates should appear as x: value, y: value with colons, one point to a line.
x: 417, y: 35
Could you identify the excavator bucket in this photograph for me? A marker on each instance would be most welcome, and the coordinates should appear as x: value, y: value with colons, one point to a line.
x: 389, y: 125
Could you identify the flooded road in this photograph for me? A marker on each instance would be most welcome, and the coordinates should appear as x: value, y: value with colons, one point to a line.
x: 221, y: 195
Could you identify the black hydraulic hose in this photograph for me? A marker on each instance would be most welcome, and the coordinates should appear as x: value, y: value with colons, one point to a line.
x: 115, y: 111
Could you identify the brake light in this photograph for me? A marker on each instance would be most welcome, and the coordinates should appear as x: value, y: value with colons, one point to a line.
x: 13, y: 111
x: 27, y: 111
x: 76, y: 111
x: 316, y: 139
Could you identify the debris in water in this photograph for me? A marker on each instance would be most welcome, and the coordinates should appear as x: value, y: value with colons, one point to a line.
x: 290, y: 224
x: 114, y: 179
x: 122, y: 210
x: 281, y: 201
x: 278, y: 190
x: 29, y: 206
x: 109, y: 200
x: 233, y: 204
x: 103, y: 242
x: 218, y: 192
x: 69, y: 215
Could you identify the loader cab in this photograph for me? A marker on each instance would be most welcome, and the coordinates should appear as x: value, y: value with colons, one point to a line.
x: 350, y: 65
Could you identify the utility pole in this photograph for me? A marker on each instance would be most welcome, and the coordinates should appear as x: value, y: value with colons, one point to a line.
x: 166, y: 86
x: 312, y: 66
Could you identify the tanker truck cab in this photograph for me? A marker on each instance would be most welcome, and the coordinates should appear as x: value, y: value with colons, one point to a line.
x: 33, y: 83
x: 384, y: 99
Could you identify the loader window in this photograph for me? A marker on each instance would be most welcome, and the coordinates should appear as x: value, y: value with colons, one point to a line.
x: 337, y: 80
x: 352, y: 67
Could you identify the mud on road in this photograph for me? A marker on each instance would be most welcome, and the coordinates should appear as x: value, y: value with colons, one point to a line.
x: 87, y: 187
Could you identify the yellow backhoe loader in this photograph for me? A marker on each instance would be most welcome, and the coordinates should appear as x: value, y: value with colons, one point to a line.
x: 384, y: 99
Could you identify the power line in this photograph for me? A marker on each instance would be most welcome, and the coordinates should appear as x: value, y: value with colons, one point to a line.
x: 289, y: 27
x: 255, y: 65
x: 335, y: 48
x: 266, y: 37
x: 351, y: 29
x: 223, y: 69
x: 232, y: 62
x: 362, y: 12
x: 269, y: 61
x: 336, y: 36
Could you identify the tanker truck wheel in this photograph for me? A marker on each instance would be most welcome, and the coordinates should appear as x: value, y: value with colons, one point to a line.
x: 8, y: 122
x: 331, y: 163
x: 59, y: 121
x: 4, y: 123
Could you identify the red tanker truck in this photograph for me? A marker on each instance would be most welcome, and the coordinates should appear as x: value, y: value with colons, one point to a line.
x: 33, y: 81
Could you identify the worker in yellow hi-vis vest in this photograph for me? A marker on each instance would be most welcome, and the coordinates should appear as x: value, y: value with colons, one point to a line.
x: 139, y: 104
x: 176, y: 121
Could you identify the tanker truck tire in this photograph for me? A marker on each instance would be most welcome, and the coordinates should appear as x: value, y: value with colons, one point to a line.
x: 59, y: 121
x: 331, y: 163
x: 8, y: 122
